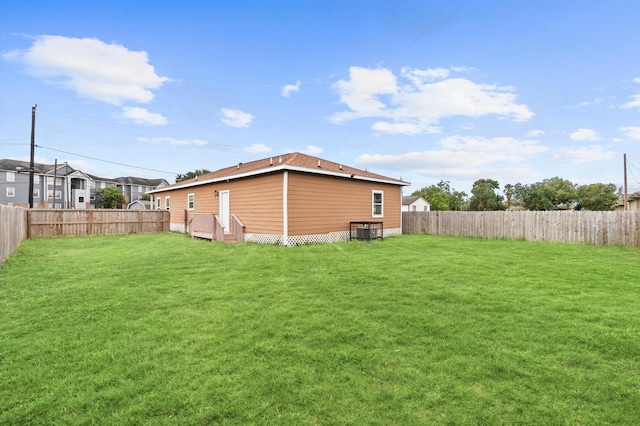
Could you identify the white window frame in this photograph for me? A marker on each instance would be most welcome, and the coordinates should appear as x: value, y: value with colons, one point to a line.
x: 374, y: 204
x: 158, y: 203
x: 58, y: 195
x: 10, y: 191
x: 167, y: 203
x: 191, y: 201
x: 36, y: 193
x: 11, y: 176
x: 36, y: 179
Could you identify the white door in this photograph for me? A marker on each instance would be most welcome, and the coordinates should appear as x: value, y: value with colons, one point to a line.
x: 223, y: 209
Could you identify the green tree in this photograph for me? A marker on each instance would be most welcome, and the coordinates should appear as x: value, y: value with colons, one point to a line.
x: 191, y: 175
x: 509, y: 190
x: 438, y: 198
x: 484, y: 196
x: 110, y: 197
x: 535, y: 196
x: 550, y: 194
x: 596, y: 196
x: 564, y: 192
x: 457, y: 200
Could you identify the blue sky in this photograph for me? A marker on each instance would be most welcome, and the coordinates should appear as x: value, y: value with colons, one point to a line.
x: 423, y: 90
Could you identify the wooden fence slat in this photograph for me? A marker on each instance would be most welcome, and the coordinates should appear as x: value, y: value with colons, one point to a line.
x: 49, y: 222
x: 600, y: 228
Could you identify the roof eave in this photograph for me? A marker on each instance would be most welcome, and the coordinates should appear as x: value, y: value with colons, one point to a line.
x: 276, y: 168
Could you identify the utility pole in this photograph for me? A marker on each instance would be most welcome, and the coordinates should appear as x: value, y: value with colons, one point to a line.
x: 626, y: 199
x: 55, y: 178
x: 33, y: 153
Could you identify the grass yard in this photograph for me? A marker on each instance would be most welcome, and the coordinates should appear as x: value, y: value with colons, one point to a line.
x: 162, y: 329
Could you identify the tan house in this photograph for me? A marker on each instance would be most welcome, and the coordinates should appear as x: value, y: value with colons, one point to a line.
x: 288, y: 199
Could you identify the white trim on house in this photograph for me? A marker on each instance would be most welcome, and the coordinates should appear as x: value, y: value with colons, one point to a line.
x: 374, y: 203
x: 285, y: 209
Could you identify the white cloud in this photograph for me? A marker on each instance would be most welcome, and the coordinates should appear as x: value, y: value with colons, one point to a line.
x: 93, y: 69
x: 236, y: 118
x: 288, y: 89
x: 420, y: 77
x: 462, y: 156
x: 632, y: 132
x: 535, y: 132
x: 312, y: 150
x: 423, y: 98
x: 361, y: 93
x: 582, y: 155
x: 635, y: 99
x: 143, y: 116
x: 634, y: 103
x: 505, y: 145
x: 404, y: 128
x: 256, y: 148
x: 585, y: 135
x: 175, y: 141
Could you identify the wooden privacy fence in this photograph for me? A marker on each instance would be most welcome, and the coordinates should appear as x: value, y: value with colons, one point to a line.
x: 599, y: 228
x: 56, y: 223
x: 13, y: 229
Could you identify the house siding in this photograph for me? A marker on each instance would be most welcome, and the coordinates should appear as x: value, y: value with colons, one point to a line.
x: 324, y: 204
x: 256, y: 201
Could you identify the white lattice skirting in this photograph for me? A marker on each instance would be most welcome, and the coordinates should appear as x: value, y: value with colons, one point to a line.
x: 177, y: 227
x: 295, y: 240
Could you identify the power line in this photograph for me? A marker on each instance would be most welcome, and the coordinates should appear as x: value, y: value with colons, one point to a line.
x: 107, y: 161
x: 631, y: 172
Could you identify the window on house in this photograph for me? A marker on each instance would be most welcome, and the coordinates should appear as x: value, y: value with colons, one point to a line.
x: 426, y: 208
x: 414, y: 208
x: 167, y: 203
x: 58, y: 195
x: 11, y: 191
x: 36, y: 179
x: 158, y: 203
x: 11, y: 176
x: 139, y: 188
x: 102, y: 185
x: 92, y: 184
x: 376, y: 204
x: 36, y: 193
x: 191, y: 201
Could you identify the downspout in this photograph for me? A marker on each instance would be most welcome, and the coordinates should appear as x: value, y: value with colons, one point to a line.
x: 285, y: 209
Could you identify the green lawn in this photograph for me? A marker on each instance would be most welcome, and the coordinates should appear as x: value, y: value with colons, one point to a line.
x: 163, y: 329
